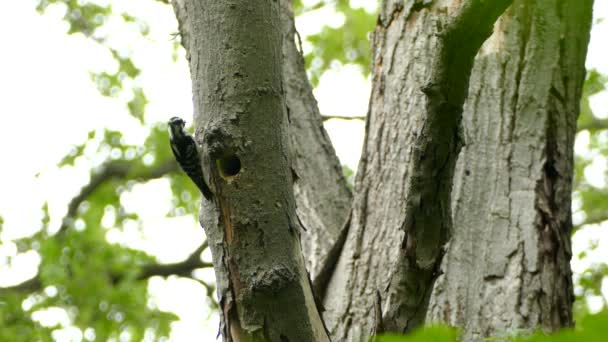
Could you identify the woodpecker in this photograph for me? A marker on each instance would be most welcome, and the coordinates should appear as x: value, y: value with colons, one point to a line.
x: 186, y: 153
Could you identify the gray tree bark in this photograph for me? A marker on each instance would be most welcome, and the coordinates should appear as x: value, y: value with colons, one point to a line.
x: 507, y: 268
x: 323, y: 198
x: 507, y: 265
x: 235, y: 54
x: 423, y: 55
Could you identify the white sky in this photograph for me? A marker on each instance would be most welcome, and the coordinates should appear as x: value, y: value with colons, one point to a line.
x: 48, y: 103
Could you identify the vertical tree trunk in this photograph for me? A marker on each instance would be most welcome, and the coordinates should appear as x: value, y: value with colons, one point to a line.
x: 508, y: 262
x: 251, y: 224
x: 423, y: 54
x: 323, y: 199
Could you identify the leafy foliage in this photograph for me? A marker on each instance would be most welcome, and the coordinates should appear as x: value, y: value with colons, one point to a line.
x: 83, y: 17
x: 89, y: 18
x: 97, y: 284
x: 17, y: 324
x: 435, y: 333
x: 590, y: 200
x: 594, y: 84
x: 589, y: 329
x: 97, y: 281
x: 349, y: 174
x: 348, y: 43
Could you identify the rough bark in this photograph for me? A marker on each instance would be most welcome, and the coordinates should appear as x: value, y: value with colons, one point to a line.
x: 423, y: 54
x: 322, y: 197
x: 512, y: 184
x: 507, y: 268
x: 241, y: 123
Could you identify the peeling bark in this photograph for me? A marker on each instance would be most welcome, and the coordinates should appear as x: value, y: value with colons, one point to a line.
x: 507, y: 268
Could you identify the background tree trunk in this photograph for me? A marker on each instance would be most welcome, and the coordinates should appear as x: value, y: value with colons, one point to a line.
x: 322, y: 197
x: 508, y: 262
x: 423, y: 54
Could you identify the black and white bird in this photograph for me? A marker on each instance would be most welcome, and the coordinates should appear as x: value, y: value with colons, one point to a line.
x: 186, y: 153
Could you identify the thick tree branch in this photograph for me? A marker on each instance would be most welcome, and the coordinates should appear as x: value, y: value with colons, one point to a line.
x: 182, y: 268
x: 596, y: 218
x: 30, y: 285
x: 112, y: 170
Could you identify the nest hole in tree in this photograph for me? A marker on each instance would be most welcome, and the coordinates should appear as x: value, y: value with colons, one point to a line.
x: 229, y: 165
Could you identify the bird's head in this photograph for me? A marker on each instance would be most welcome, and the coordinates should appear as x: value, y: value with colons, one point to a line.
x: 176, y: 126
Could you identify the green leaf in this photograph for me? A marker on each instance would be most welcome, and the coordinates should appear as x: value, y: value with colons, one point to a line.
x: 592, y: 328
x: 595, y: 83
x: 435, y: 333
x: 347, y: 44
x: 137, y: 105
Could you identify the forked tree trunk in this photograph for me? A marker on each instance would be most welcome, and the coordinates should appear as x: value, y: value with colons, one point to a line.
x: 507, y: 266
x: 401, y: 220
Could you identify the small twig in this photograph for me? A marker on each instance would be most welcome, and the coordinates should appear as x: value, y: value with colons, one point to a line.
x: 342, y: 117
x: 593, y: 219
x: 594, y: 125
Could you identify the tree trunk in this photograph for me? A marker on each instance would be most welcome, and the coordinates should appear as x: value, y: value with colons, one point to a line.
x: 323, y: 199
x: 507, y: 267
x: 423, y: 54
x: 241, y: 123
